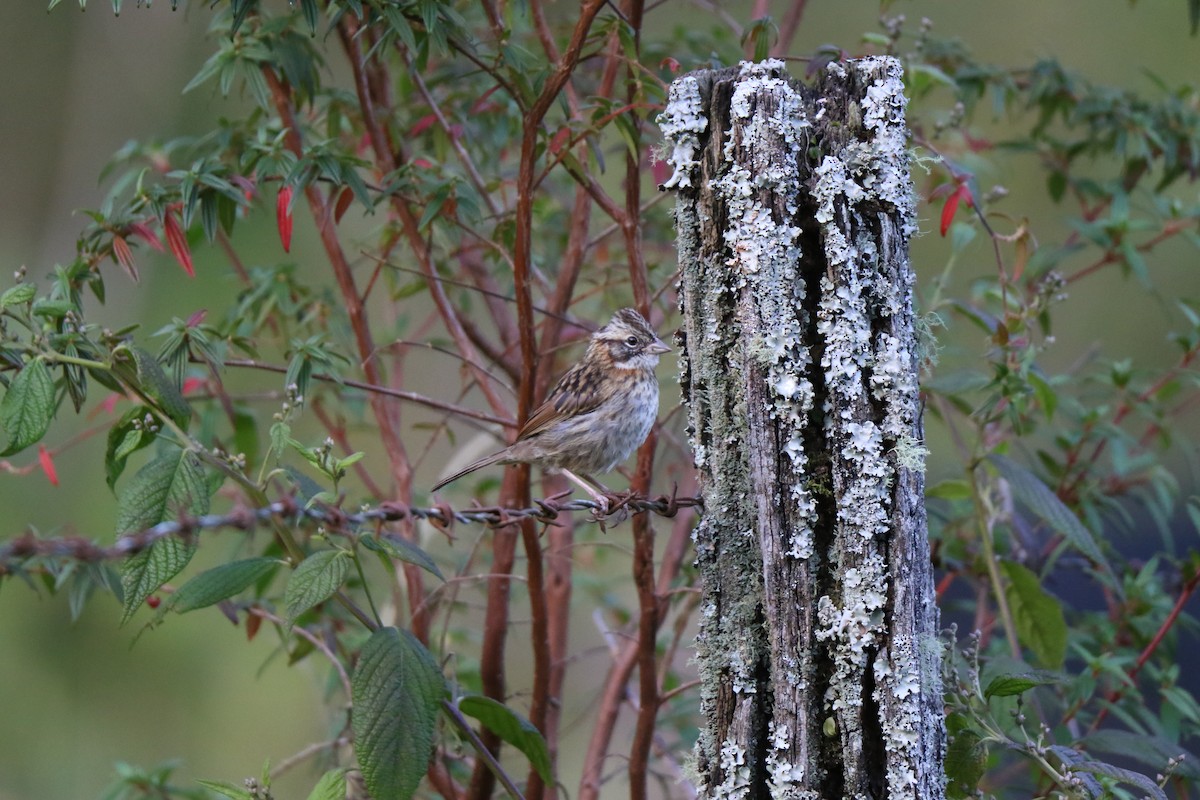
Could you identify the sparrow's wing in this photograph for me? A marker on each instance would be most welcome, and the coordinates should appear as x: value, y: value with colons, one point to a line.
x: 577, y: 392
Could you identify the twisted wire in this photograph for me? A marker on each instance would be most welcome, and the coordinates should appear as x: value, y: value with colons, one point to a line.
x: 27, y: 546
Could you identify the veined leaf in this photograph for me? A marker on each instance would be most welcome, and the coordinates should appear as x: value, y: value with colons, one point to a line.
x: 227, y: 790
x: 400, y: 548
x: 220, y: 583
x: 397, y: 691
x: 159, y: 490
x: 1014, y: 683
x: 332, y: 786
x: 124, y: 439
x: 1039, y: 499
x: 1038, y: 616
x: 28, y: 406
x: 17, y: 295
x: 148, y: 376
x: 315, y: 581
x: 1153, y: 751
x: 1079, y: 763
x: 966, y: 762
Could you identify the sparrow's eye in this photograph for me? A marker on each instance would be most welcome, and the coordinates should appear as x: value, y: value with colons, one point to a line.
x: 632, y: 341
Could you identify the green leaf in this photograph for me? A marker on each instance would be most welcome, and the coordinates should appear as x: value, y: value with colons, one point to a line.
x: 171, y: 482
x: 332, y: 786
x: 160, y: 489
x: 222, y: 582
x: 245, y: 435
x: 1014, y: 683
x: 1056, y: 184
x: 124, y: 440
x: 1153, y: 751
x: 512, y: 728
x: 400, y: 548
x: 1047, y: 397
x: 144, y: 573
x: 1038, y: 616
x: 397, y: 691
x: 966, y: 761
x: 315, y: 581
x: 1078, y: 763
x: 17, y: 295
x: 227, y: 790
x: 1043, y: 503
x: 28, y: 406
x: 153, y: 382
x: 311, y: 14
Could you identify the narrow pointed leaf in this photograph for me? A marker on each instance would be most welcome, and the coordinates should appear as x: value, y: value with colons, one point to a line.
x: 124, y: 256
x: 150, y: 378
x: 512, y: 728
x: 283, y: 217
x: 1044, y: 503
x: 400, y: 548
x: 1013, y: 683
x: 177, y: 242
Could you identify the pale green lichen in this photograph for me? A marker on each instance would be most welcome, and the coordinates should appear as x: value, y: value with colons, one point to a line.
x: 682, y: 123
x: 868, y: 365
x: 764, y: 247
x: 898, y: 689
x: 864, y: 319
x: 910, y: 453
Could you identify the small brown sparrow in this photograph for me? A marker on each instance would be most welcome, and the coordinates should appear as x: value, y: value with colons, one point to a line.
x: 598, y: 412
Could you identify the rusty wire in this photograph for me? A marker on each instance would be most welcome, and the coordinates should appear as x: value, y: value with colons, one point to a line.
x: 27, y: 546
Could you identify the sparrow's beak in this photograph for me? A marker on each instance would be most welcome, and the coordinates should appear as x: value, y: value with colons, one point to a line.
x: 657, y: 347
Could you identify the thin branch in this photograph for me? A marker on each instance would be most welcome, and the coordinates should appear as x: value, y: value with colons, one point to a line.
x: 399, y: 394
x: 314, y: 640
x: 484, y: 753
x: 1184, y: 596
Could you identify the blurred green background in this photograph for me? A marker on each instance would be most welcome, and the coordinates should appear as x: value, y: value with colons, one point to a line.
x: 75, y: 698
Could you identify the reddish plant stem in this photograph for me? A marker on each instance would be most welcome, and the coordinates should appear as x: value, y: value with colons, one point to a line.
x: 1113, y: 696
x: 614, y: 691
x: 531, y: 125
x: 643, y: 529
x: 648, y: 621
x: 1111, y: 256
x: 560, y: 538
x: 1066, y: 490
x: 788, y: 28
x: 343, y: 275
x: 631, y: 226
x: 385, y: 159
x: 540, y: 640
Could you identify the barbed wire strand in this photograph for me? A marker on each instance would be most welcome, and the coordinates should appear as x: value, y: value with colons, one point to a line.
x: 28, y: 545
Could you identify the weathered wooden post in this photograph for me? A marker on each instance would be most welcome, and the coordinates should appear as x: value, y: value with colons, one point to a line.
x: 819, y: 634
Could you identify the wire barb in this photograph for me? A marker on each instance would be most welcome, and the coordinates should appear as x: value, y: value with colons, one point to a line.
x: 27, y: 546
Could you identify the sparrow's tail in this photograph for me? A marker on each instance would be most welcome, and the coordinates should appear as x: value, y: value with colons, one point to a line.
x: 474, y: 465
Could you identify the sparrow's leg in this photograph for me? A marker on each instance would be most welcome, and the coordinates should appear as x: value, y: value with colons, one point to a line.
x: 594, y: 488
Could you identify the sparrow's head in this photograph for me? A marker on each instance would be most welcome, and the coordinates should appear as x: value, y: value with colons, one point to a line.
x: 627, y: 342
